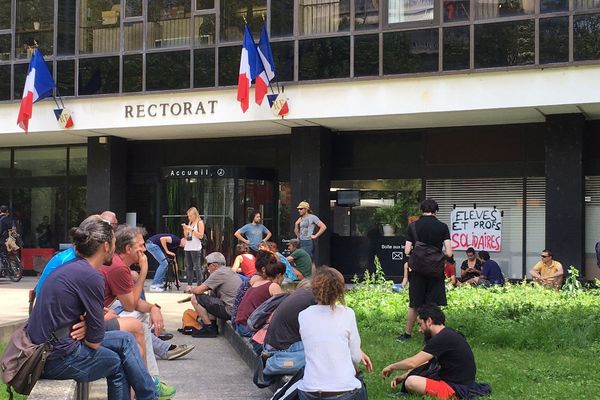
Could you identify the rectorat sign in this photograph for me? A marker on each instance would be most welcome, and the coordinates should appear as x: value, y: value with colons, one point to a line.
x: 154, y: 110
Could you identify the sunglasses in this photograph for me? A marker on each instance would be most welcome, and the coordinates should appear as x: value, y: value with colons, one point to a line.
x: 544, y: 256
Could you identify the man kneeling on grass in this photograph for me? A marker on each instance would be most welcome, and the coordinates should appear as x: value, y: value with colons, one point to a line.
x: 456, y: 376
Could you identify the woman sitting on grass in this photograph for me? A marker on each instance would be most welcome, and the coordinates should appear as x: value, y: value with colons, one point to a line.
x: 331, y: 343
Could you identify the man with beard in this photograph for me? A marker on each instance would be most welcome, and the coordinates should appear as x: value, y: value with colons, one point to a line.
x: 456, y: 377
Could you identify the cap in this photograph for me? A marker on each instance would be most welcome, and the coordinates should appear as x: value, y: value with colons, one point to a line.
x: 304, y: 204
x: 216, y: 257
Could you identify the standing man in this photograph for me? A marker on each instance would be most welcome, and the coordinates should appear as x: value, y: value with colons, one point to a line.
x: 548, y: 272
x: 161, y: 246
x: 7, y: 223
x: 254, y: 232
x: 457, y: 363
x: 304, y: 228
x: 423, y: 290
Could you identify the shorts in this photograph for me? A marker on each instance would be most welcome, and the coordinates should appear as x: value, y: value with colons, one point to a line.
x: 424, y: 290
x: 438, y: 389
x: 213, y: 305
x: 112, y: 325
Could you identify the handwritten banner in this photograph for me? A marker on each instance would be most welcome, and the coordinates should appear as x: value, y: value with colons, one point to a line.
x: 479, y: 228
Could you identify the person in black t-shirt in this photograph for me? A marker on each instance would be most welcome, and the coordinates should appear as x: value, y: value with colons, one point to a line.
x: 471, y: 267
x: 456, y: 377
x: 423, y: 290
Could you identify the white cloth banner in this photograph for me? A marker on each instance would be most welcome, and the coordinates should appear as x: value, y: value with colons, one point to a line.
x: 479, y: 228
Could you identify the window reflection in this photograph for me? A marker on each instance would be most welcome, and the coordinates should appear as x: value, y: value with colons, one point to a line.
x: 324, y: 16
x: 5, y: 82
x: 410, y: 11
x: 133, y: 8
x: 233, y: 13
x: 65, y: 77
x: 77, y: 160
x: 132, y: 73
x: 34, y: 24
x: 204, y: 67
x: 65, y: 35
x: 204, y: 26
x: 205, y: 4
x: 5, y: 44
x: 168, y: 23
x: 19, y: 76
x: 229, y: 64
x: 133, y: 35
x: 586, y: 4
x: 166, y: 71
x: 99, y: 26
x: 324, y: 58
x: 586, y: 37
x: 485, y: 9
x: 554, y: 5
x: 5, y: 12
x: 456, y: 10
x: 504, y: 44
x: 282, y: 18
x: 366, y: 14
x: 456, y: 48
x: 554, y: 40
x: 412, y: 51
x: 4, y: 166
x: 40, y: 162
x: 366, y: 55
x: 283, y: 55
x: 97, y: 75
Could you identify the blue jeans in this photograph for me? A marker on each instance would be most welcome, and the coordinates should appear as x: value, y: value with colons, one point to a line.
x: 117, y: 359
x: 157, y: 253
x: 309, y: 247
x: 356, y: 394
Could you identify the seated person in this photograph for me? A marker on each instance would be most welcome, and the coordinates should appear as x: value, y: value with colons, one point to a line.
x: 263, y: 285
x: 471, y: 267
x: 300, y: 258
x: 450, y: 270
x: 457, y: 363
x: 491, y: 274
x: 548, y: 272
x: 289, y: 270
x: 244, y: 262
x: 223, y: 284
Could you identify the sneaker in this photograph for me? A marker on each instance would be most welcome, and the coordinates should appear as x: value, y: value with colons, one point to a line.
x: 404, y: 337
x: 206, y: 332
x: 180, y: 350
x: 165, y: 336
x: 157, y: 288
x: 164, y: 392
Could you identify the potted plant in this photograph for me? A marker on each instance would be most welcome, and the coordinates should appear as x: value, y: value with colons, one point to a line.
x: 396, y: 217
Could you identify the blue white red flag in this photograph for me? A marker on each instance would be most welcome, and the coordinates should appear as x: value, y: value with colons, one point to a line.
x: 38, y: 85
x: 249, y: 69
x: 266, y: 59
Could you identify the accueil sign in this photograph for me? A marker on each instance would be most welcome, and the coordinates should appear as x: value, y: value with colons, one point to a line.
x: 176, y: 109
x: 480, y: 228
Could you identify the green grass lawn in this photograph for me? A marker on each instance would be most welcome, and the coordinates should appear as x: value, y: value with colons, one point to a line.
x: 529, y: 342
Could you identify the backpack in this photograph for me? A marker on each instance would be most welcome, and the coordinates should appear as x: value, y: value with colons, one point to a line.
x: 425, y: 259
x: 598, y: 254
x: 239, y: 296
x: 190, y: 319
x: 261, y: 314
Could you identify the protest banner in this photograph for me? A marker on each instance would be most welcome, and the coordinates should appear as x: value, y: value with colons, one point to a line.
x: 479, y: 228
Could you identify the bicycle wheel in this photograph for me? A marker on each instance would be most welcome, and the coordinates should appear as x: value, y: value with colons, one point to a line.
x: 15, y: 269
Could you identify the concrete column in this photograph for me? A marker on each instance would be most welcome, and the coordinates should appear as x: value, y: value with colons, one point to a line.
x: 310, y: 178
x: 107, y: 175
x: 565, y: 188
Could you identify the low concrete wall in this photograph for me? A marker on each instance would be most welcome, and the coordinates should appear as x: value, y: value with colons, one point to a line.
x: 8, y: 328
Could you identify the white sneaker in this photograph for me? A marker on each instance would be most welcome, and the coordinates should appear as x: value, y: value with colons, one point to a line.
x: 156, y: 288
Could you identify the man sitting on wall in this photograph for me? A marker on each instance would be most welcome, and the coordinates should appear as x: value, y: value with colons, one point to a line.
x: 548, y: 272
x: 300, y: 258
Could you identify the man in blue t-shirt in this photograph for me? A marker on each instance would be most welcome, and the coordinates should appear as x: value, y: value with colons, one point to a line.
x: 254, y: 232
x: 161, y: 246
x: 491, y: 274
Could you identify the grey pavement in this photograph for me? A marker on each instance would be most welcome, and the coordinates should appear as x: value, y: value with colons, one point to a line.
x: 212, y: 371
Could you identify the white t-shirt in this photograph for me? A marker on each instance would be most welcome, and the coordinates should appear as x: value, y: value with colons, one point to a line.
x: 195, y: 244
x: 331, y: 347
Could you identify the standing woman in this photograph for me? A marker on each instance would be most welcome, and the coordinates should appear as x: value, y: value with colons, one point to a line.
x: 193, y: 232
x: 331, y: 343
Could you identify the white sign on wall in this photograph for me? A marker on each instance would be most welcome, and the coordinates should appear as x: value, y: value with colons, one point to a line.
x: 479, y: 228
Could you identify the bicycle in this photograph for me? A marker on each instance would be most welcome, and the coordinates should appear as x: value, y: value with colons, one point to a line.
x: 10, y: 266
x: 172, y: 275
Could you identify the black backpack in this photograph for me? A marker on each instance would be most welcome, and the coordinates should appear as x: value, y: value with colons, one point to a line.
x: 425, y: 259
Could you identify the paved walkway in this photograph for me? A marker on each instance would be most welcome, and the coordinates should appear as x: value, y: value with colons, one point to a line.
x: 212, y: 371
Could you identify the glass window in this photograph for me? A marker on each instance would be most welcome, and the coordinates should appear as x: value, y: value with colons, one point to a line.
x: 32, y: 162
x: 5, y: 44
x: 77, y: 205
x: 168, y: 23
x: 554, y: 40
x: 366, y: 14
x: 410, y: 11
x: 168, y: 70
x: 5, y: 166
x: 366, y: 55
x: 205, y: 4
x: 99, y: 26
x: 456, y: 48
x: 204, y: 67
x: 5, y: 13
x: 324, y: 16
x: 65, y: 35
x: 229, y: 65
x: 456, y: 10
x: 98, y: 75
x: 586, y: 37
x: 283, y: 55
x: 133, y: 36
x: 554, y: 5
x: 485, y: 9
x: 504, y: 44
x: 20, y: 74
x: 324, y: 58
x: 5, y: 82
x: 205, y: 28
x: 133, y: 73
x: 586, y: 4
x: 34, y: 24
x: 233, y: 13
x: 78, y: 160
x: 282, y: 18
x: 65, y: 77
x: 133, y: 8
x: 411, y: 51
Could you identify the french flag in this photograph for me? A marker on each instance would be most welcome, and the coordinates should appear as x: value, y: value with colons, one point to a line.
x: 266, y: 60
x: 38, y: 85
x: 249, y: 69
